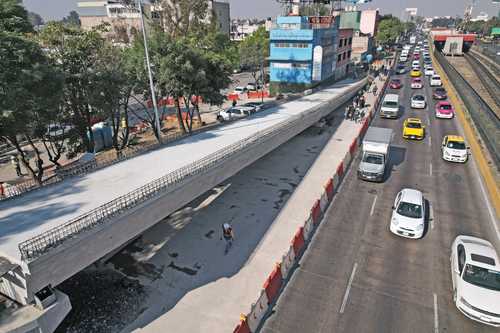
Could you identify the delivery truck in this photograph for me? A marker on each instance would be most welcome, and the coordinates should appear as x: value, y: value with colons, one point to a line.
x: 375, y: 154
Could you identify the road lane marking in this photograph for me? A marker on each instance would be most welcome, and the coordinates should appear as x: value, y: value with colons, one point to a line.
x: 430, y: 169
x: 431, y: 216
x: 436, y: 315
x: 373, y: 205
x: 349, y: 284
x: 430, y: 141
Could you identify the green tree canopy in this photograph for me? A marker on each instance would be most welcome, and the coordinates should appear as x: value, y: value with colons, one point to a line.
x: 13, y: 17
x: 389, y: 29
x: 254, y: 51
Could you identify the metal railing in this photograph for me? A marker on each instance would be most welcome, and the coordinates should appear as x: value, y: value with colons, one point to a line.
x: 485, y: 119
x: 50, y: 239
x: 486, y: 77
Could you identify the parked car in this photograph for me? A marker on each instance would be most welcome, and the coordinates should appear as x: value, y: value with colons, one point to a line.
x: 258, y: 106
x: 413, y: 129
x: 58, y: 131
x: 417, y: 83
x: 395, y: 84
x: 475, y: 275
x: 445, y: 110
x: 234, y: 113
x: 453, y: 149
x: 435, y: 81
x: 240, y: 90
x: 439, y: 93
x: 401, y: 69
x: 408, y: 214
x: 418, y: 102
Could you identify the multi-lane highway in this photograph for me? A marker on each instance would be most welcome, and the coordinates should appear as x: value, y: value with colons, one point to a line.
x: 358, y: 277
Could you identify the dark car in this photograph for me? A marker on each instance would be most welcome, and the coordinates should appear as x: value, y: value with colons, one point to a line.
x: 439, y: 93
x: 401, y: 69
x: 395, y: 84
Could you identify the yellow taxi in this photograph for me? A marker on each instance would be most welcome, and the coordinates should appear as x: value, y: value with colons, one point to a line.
x: 413, y: 129
x: 415, y: 73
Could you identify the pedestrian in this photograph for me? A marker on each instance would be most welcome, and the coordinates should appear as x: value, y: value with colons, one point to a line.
x: 15, y: 162
x: 234, y: 103
x: 362, y: 102
x: 228, y: 234
x: 355, y: 101
x: 39, y: 164
x: 375, y: 90
x: 2, y: 190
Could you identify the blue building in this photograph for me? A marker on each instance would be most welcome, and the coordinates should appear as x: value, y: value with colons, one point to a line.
x: 303, y: 52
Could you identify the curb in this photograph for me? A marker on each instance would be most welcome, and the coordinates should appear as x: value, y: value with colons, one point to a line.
x: 471, y: 135
x: 282, y: 272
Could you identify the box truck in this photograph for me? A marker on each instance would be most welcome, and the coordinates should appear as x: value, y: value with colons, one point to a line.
x: 375, y: 154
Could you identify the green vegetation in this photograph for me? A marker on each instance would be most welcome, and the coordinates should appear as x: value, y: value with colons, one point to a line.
x: 390, y: 28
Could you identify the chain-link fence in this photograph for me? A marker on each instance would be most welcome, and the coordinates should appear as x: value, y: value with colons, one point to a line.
x: 38, y: 245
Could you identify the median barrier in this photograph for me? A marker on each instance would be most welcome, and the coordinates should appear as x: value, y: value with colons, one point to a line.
x: 298, y: 242
x: 242, y: 326
x: 323, y: 202
x: 352, y: 148
x: 287, y: 262
x: 340, y: 171
x: 316, y: 212
x: 329, y: 189
x: 308, y: 227
x: 273, y: 284
x: 257, y: 311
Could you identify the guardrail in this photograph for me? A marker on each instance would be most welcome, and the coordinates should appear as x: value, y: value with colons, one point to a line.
x: 485, y: 119
x: 50, y: 239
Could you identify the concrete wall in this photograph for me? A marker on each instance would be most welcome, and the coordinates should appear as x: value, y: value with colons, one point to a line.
x: 78, y: 253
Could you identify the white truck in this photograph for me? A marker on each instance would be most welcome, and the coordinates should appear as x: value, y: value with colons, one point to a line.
x: 375, y: 154
x: 413, y: 39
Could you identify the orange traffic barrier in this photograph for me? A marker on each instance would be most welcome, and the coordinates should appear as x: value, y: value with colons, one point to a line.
x: 273, y: 284
x: 329, y: 189
x: 298, y: 241
x: 316, y: 212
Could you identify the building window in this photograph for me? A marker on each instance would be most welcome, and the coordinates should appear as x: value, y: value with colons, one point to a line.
x: 349, y: 54
x: 282, y: 65
x: 340, y: 42
x: 294, y: 45
x: 350, y: 40
x: 339, y: 57
x: 344, y: 55
x: 298, y: 65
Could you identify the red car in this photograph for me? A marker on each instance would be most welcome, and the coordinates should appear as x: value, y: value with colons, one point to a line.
x: 416, y: 56
x: 395, y: 84
x: 444, y: 110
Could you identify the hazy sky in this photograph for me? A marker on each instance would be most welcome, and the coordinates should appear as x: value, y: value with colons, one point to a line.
x: 55, y: 9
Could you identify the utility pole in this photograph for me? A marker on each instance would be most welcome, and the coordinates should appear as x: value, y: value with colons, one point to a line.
x: 148, y: 64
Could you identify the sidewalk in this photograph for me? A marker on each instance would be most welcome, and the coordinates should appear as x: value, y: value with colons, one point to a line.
x: 209, y: 304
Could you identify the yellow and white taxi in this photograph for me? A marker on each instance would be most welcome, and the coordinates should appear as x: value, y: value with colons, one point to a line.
x: 454, y: 149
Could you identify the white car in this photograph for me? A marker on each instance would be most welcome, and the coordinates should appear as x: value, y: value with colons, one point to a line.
x: 453, y: 149
x: 240, y: 90
x: 415, y: 63
x: 403, y: 58
x: 429, y: 71
x: 408, y: 214
x: 234, y: 113
x: 475, y: 274
x: 435, y: 81
x: 418, y: 102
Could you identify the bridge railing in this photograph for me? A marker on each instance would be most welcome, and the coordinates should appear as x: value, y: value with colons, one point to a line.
x: 52, y: 238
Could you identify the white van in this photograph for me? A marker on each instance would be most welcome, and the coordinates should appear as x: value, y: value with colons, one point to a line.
x: 390, y: 106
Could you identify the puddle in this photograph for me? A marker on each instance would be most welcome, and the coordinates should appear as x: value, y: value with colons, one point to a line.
x: 209, y: 234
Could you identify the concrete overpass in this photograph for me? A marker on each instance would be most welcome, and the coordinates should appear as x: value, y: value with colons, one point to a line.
x: 50, y: 234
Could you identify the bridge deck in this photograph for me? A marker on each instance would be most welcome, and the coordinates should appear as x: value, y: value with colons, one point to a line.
x: 46, y: 208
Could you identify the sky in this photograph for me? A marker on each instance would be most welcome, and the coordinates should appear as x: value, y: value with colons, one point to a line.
x: 56, y: 9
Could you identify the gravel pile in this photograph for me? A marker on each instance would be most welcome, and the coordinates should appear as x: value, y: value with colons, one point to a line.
x: 102, y: 300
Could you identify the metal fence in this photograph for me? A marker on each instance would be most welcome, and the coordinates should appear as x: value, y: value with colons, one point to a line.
x: 40, y: 244
x: 485, y: 119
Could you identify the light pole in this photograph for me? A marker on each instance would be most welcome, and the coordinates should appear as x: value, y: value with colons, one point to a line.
x: 150, y: 74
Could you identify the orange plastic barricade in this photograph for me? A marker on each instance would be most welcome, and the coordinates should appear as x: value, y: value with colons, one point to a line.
x: 273, y: 284
x: 233, y: 97
x: 329, y: 189
x: 257, y: 311
x: 323, y: 202
x: 242, y: 326
x: 298, y: 242
x: 352, y: 148
x: 287, y: 262
x: 316, y: 212
x: 308, y: 228
x: 340, y: 170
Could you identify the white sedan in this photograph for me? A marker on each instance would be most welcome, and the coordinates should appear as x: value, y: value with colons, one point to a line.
x: 408, y: 214
x: 435, y: 81
x: 418, y: 102
x: 429, y: 71
x: 475, y: 274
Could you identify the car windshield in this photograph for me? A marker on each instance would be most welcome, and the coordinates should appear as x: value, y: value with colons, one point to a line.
x: 413, y: 125
x: 396, y: 81
x: 482, y: 277
x: 410, y: 210
x: 419, y: 98
x: 440, y: 91
x: 373, y: 159
x: 445, y: 107
x: 455, y: 145
x: 390, y: 104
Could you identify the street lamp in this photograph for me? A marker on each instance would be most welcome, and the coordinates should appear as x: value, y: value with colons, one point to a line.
x: 150, y: 74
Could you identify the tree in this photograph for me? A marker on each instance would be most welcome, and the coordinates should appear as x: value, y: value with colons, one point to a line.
x: 389, y: 29
x: 35, y: 19
x: 315, y: 9
x: 13, y: 17
x: 181, y: 17
x: 73, y: 19
x: 29, y: 93
x: 254, y: 51
x: 77, y: 54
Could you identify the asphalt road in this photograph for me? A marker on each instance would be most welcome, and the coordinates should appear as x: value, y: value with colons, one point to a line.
x: 358, y: 277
